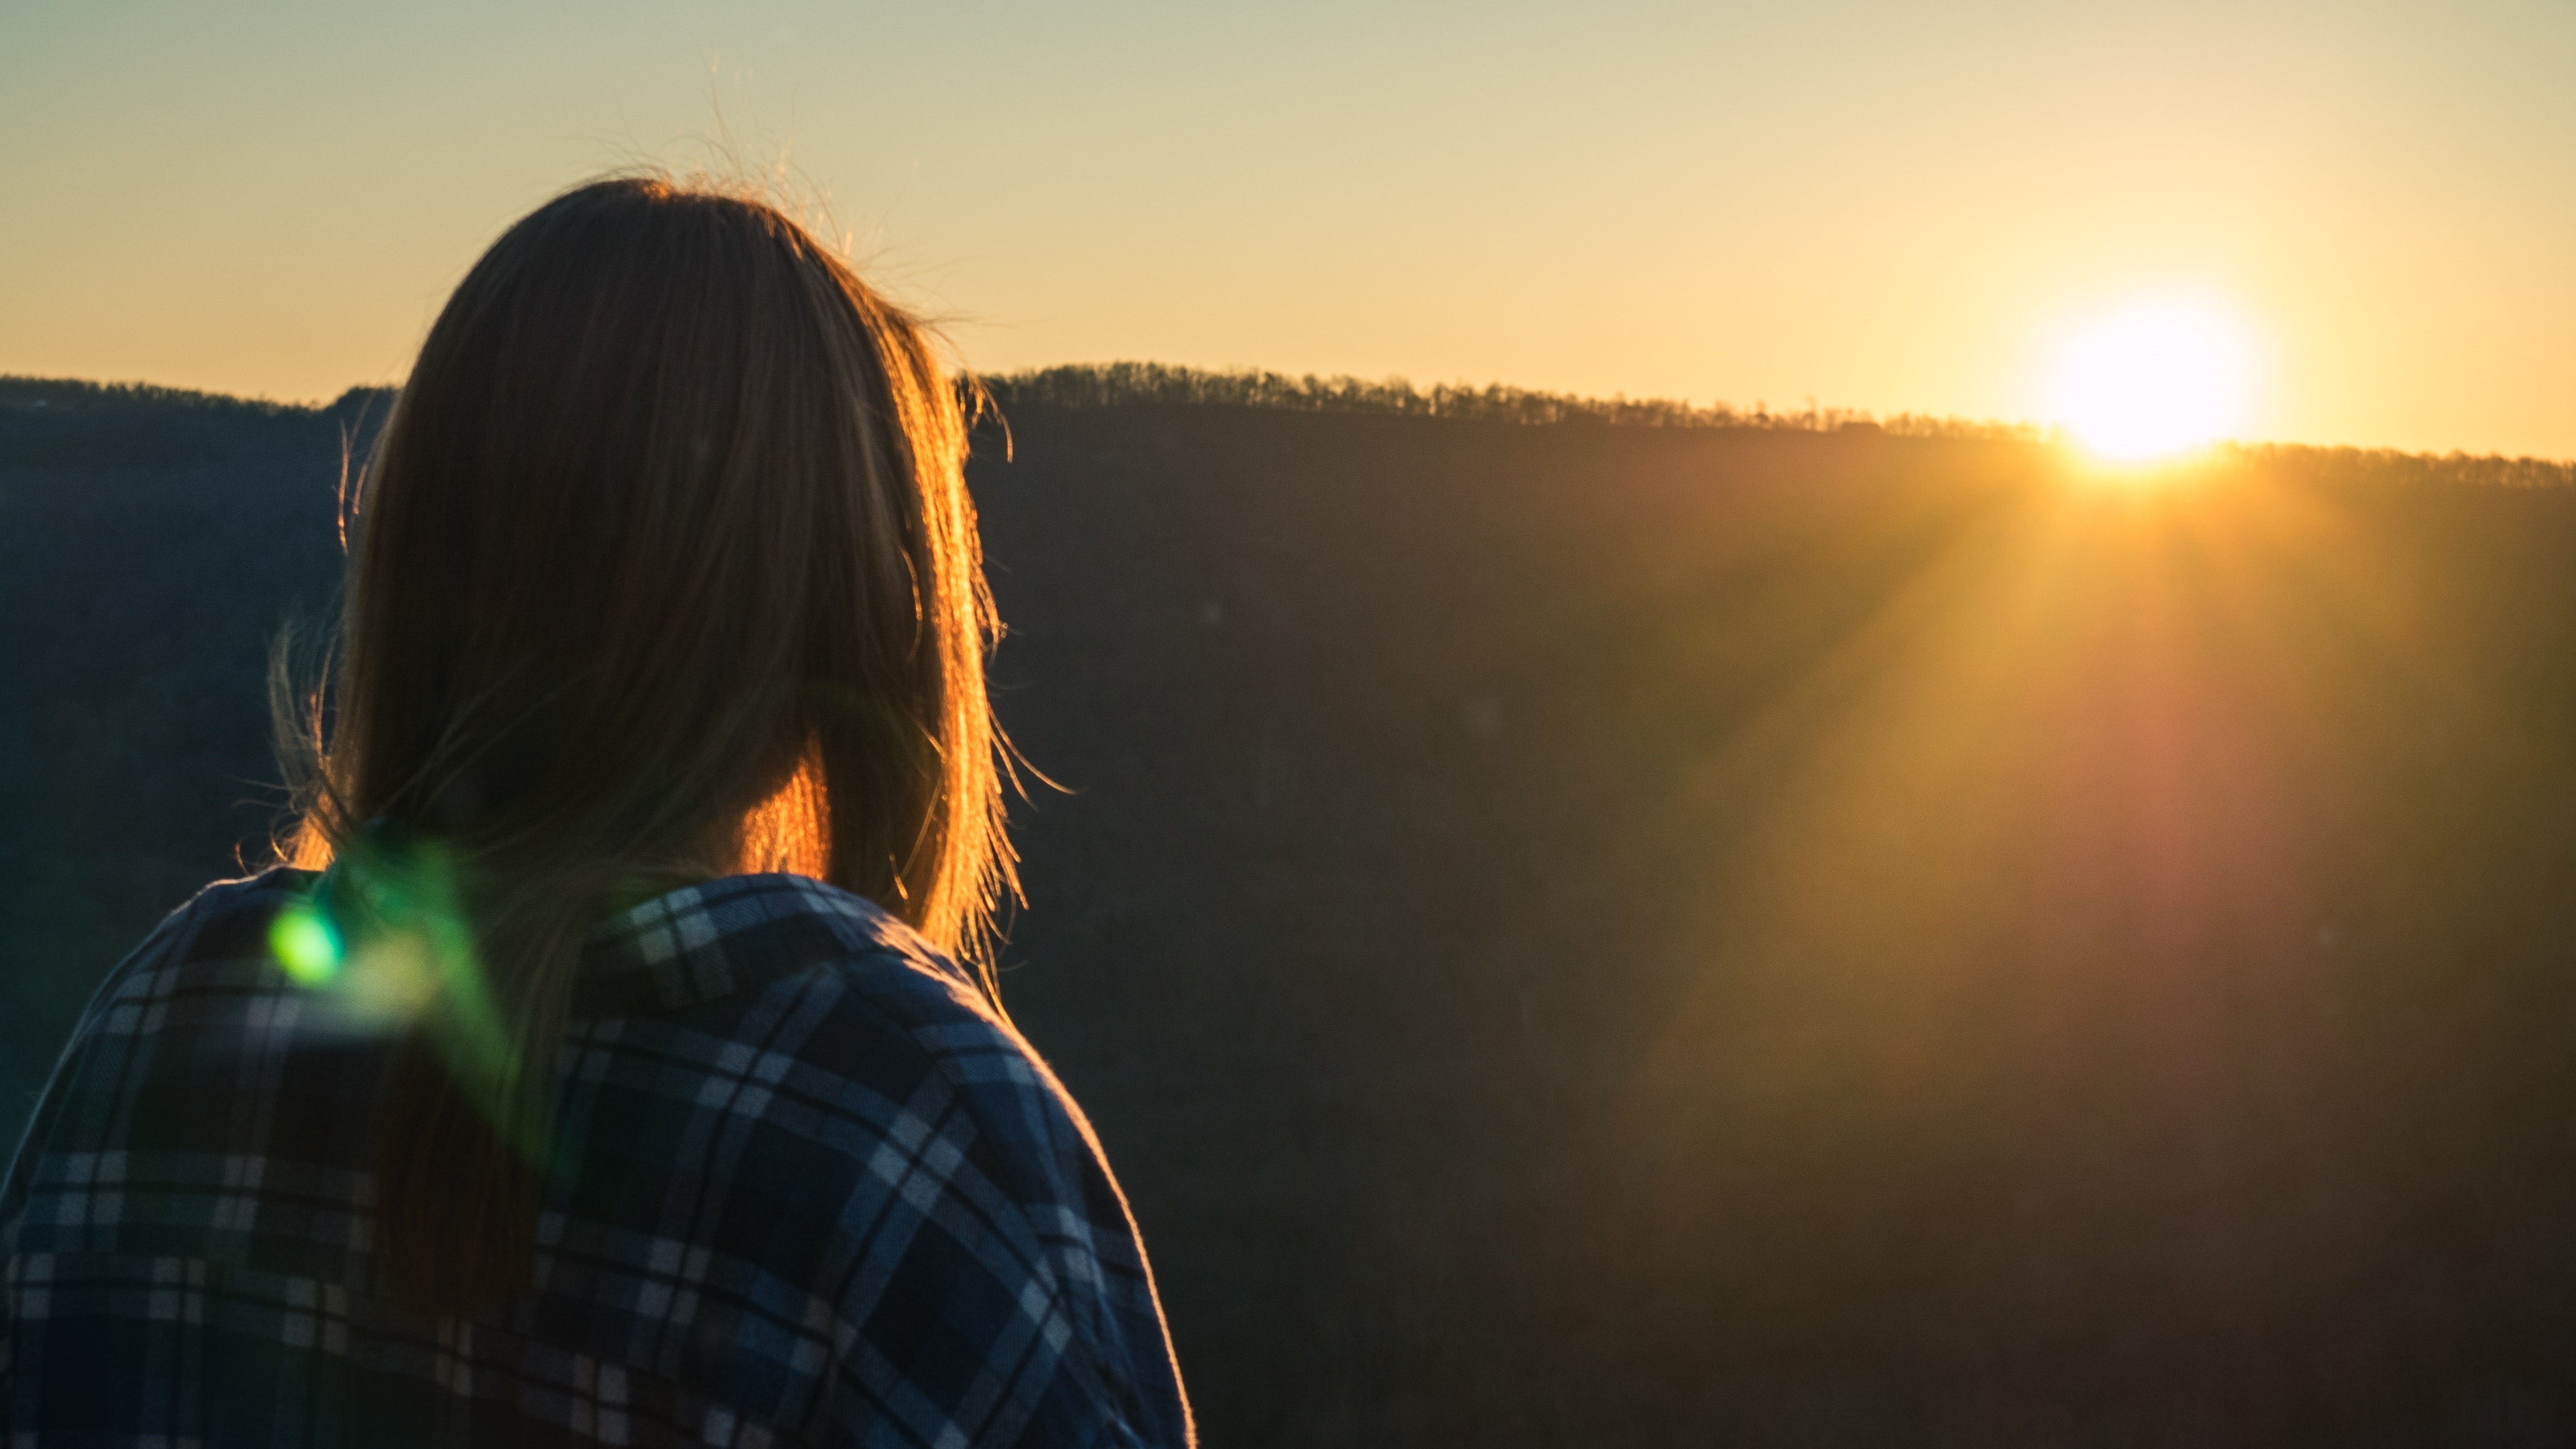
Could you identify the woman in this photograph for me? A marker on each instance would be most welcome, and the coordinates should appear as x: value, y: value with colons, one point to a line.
x: 602, y: 1069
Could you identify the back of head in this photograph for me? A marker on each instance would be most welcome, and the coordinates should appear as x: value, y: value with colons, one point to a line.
x: 664, y: 568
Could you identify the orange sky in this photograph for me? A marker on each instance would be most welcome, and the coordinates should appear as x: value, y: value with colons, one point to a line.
x: 1873, y: 204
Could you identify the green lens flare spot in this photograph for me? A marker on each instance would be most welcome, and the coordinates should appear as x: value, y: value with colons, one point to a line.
x: 305, y: 945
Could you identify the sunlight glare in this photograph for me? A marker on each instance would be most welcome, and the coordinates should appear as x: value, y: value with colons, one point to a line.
x: 2159, y: 376
x: 306, y: 945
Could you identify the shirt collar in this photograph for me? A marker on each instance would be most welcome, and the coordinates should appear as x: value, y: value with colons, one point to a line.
x: 719, y: 937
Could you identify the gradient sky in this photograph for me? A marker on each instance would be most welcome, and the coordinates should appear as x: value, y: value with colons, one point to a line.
x: 1874, y: 204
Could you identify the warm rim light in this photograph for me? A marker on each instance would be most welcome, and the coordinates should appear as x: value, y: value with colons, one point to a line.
x: 2159, y: 376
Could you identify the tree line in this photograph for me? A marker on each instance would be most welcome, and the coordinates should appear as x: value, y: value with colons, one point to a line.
x: 56, y: 422
x: 1115, y: 384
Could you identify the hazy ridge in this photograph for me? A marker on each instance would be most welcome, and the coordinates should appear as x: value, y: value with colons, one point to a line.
x: 1150, y: 384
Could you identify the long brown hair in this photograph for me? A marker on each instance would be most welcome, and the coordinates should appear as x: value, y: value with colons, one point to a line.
x: 663, y: 567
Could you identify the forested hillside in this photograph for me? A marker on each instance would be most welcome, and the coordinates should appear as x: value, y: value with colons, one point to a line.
x: 1694, y: 931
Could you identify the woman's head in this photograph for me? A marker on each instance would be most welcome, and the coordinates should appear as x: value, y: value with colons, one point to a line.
x: 669, y: 520
x: 663, y: 567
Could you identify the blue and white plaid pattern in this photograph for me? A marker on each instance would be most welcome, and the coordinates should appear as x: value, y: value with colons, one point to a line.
x: 810, y: 1190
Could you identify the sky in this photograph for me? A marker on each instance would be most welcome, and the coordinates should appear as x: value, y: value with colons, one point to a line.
x: 1899, y: 207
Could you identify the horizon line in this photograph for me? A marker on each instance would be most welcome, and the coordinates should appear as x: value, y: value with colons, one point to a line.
x: 1137, y: 383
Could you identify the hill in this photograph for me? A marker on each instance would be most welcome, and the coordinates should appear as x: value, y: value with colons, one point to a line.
x: 1676, y: 933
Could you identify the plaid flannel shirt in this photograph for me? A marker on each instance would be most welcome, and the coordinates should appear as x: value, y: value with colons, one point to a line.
x: 811, y: 1190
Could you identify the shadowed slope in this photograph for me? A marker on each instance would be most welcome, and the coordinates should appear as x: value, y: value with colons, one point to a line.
x: 1674, y: 935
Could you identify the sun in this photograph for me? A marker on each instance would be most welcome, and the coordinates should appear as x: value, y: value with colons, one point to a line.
x: 2157, y: 376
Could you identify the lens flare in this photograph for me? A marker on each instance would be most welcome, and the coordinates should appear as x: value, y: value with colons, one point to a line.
x: 385, y: 947
x: 306, y: 945
x: 2161, y: 375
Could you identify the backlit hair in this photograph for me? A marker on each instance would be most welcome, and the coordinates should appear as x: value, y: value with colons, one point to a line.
x: 664, y: 568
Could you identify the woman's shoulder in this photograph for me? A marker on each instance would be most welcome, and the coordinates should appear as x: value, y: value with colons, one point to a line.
x: 206, y: 965
x: 794, y: 968
x: 226, y: 921
x: 808, y: 994
x: 734, y: 939
x: 966, y: 1186
x: 752, y: 935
